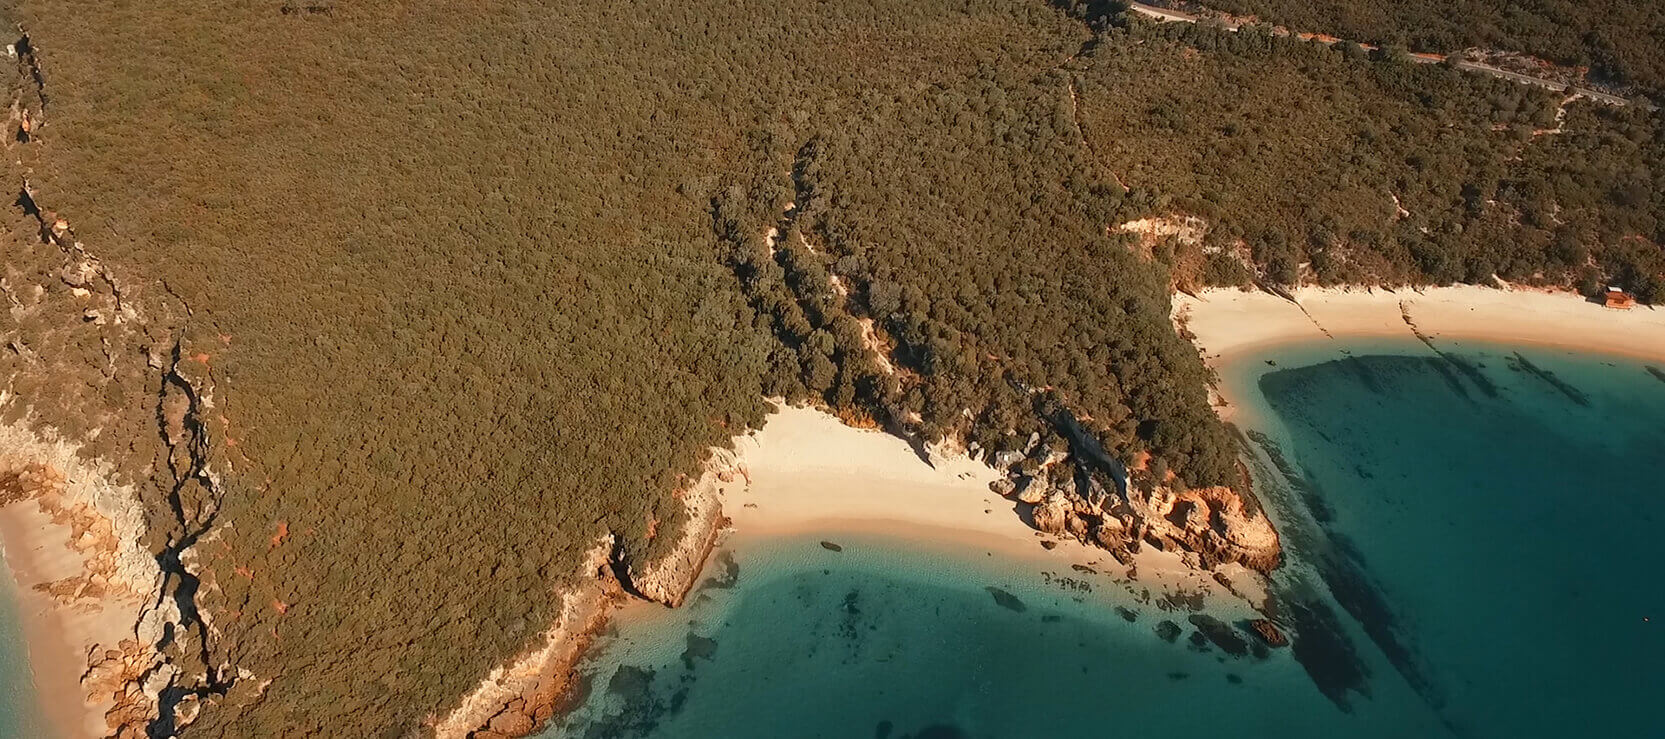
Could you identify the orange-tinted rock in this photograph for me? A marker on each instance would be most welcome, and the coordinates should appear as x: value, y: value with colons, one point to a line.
x: 1269, y: 632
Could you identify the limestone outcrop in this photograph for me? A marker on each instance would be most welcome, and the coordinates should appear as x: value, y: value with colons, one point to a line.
x: 94, y: 567
x: 519, y: 697
x: 1086, y: 494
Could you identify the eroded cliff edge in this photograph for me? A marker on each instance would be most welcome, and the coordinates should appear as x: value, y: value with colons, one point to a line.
x: 521, y: 696
x: 109, y: 449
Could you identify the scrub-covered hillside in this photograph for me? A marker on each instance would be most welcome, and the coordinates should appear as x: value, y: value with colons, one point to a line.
x: 422, y: 300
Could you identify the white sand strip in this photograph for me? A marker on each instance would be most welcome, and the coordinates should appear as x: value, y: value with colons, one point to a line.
x: 1230, y: 323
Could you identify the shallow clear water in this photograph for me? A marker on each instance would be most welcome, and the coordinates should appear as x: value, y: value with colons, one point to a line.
x: 1471, y: 548
x: 19, y: 711
x: 1505, y: 503
x: 886, y: 640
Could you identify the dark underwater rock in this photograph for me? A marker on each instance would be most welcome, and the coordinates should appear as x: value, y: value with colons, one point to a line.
x: 1221, y: 634
x: 1006, y: 600
x: 1168, y: 630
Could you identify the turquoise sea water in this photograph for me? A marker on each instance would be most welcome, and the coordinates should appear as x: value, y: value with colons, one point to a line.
x: 884, y: 640
x: 19, y: 710
x: 1473, y: 552
x: 1492, y: 515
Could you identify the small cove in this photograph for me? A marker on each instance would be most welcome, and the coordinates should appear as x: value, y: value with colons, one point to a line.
x: 1472, y: 529
x: 889, y: 639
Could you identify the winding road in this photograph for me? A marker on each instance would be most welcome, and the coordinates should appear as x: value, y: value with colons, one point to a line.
x: 1165, y: 15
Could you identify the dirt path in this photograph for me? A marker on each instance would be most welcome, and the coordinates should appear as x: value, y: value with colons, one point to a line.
x: 1234, y: 24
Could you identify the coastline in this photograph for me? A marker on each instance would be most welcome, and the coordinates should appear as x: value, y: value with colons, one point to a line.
x: 58, y: 636
x: 71, y: 539
x: 1228, y: 325
x: 519, y: 697
x: 807, y: 473
x: 810, y: 473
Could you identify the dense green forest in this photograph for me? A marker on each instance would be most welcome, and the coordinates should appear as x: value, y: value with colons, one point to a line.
x: 1005, y: 293
x: 1373, y: 170
x: 479, y: 284
x: 455, y: 272
x: 1620, y: 41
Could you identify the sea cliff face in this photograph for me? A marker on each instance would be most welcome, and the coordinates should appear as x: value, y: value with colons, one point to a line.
x: 76, y: 540
x: 106, y: 520
x: 669, y: 578
x: 518, y: 698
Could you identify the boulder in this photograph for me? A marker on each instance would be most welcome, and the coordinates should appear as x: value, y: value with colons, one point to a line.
x: 1003, y: 486
x: 1095, y: 494
x: 512, y: 723
x: 1004, y: 460
x: 1076, y: 525
x: 1110, y: 533
x: 1051, y: 514
x: 1031, y: 490
x: 1269, y: 633
x: 1064, y: 484
x: 77, y: 274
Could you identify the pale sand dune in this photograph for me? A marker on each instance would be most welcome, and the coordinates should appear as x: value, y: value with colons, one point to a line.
x: 1230, y: 323
x: 812, y: 475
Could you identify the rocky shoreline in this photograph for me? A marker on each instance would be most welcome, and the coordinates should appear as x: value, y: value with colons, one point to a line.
x: 75, y: 545
x: 519, y: 698
x: 668, y: 579
x: 1076, y: 489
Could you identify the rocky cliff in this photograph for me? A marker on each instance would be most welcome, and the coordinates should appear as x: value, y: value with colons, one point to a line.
x: 668, y: 578
x: 106, y: 429
x: 1080, y: 491
x: 517, y: 698
x: 78, y: 538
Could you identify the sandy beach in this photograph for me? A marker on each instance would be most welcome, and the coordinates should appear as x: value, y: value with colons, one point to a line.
x: 811, y: 474
x: 58, y: 635
x: 1229, y: 323
x: 72, y: 542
